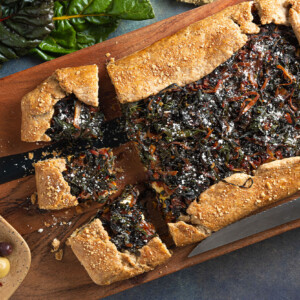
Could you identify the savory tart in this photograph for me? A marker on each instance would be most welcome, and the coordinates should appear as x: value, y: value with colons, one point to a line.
x: 119, y: 242
x: 64, y: 106
x: 64, y: 182
x: 219, y: 148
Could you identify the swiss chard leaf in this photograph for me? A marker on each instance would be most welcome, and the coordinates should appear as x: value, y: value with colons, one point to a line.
x: 23, y: 25
x: 83, y: 23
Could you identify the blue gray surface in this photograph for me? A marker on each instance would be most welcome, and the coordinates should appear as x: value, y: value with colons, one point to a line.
x: 266, y: 270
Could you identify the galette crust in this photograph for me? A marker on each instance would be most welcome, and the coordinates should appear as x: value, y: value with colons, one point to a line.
x: 183, y: 57
x: 53, y: 190
x: 197, y: 50
x: 187, y: 56
x: 184, y: 234
x: 223, y: 204
x: 38, y: 105
x: 104, y: 263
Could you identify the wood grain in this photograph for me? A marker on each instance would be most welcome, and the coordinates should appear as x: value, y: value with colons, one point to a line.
x: 66, y: 279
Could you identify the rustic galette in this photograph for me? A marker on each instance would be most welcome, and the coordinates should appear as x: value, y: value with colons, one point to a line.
x: 219, y: 148
x: 214, y: 111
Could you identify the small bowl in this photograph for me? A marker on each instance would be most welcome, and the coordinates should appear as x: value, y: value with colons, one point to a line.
x: 19, y: 259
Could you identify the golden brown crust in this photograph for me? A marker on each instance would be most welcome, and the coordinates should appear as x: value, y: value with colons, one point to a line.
x: 37, y: 105
x: 81, y: 81
x: 104, y: 263
x: 184, y: 57
x: 52, y: 189
x: 223, y: 204
x: 197, y: 50
x: 184, y: 234
x: 295, y: 21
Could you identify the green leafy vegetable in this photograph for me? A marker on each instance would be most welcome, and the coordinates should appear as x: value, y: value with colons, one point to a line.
x: 83, y: 23
x: 23, y: 25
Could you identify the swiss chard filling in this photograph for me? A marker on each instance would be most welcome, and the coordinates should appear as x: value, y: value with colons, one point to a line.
x: 243, y: 114
x: 73, y: 119
x: 125, y: 222
x: 91, y: 174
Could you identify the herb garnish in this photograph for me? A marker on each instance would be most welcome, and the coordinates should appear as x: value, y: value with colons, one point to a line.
x: 125, y: 222
x: 73, y: 119
x: 245, y: 113
x: 91, y: 174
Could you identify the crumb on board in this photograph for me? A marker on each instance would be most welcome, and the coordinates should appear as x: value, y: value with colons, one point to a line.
x: 107, y: 54
x: 33, y: 198
x: 55, y: 244
x: 55, y: 153
x: 59, y: 254
x: 112, y: 60
x: 47, y: 224
x: 40, y: 230
x: 45, y: 153
x: 30, y: 155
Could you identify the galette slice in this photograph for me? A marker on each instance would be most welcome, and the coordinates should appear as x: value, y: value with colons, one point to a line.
x: 64, y: 182
x: 119, y: 243
x: 64, y: 106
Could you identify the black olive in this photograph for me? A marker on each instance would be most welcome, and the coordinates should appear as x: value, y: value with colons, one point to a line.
x: 5, y: 249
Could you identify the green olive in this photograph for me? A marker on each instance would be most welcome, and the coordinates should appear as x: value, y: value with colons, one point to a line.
x: 4, y: 267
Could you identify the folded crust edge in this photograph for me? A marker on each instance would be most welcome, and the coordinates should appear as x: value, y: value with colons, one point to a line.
x: 37, y: 106
x: 52, y: 189
x: 104, y: 263
x: 224, y: 203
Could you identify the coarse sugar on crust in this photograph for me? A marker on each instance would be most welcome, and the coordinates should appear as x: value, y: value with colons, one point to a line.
x: 197, y: 50
x: 38, y: 105
x: 183, y: 57
x: 104, y: 263
x: 187, y: 56
x: 53, y: 191
x: 224, y: 203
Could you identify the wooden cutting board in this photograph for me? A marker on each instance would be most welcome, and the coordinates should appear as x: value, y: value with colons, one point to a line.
x: 49, y: 278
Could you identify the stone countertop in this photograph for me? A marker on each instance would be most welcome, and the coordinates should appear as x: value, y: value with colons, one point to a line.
x: 266, y: 270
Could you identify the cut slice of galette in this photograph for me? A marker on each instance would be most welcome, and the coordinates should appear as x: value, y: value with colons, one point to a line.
x: 64, y: 182
x: 119, y: 242
x: 64, y: 106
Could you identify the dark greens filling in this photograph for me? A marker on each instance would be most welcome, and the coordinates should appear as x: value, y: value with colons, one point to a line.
x: 90, y: 174
x: 243, y: 114
x: 125, y: 222
x: 75, y: 120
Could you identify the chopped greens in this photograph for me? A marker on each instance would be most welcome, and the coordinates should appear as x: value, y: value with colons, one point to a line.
x: 73, y: 119
x: 243, y: 114
x: 125, y: 222
x: 91, y: 174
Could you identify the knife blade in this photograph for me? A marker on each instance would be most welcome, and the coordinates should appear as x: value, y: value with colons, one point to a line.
x: 20, y: 165
x: 260, y: 222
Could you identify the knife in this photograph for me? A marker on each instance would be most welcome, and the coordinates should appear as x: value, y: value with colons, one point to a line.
x: 20, y: 165
x: 260, y: 222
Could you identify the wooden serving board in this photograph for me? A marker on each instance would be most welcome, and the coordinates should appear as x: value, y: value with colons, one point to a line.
x: 67, y: 279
